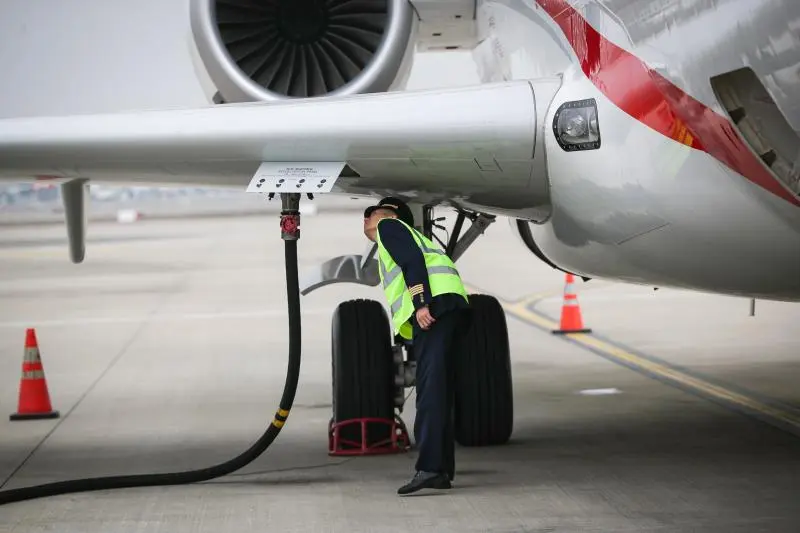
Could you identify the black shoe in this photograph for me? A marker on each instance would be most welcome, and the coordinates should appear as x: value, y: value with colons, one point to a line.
x: 425, y: 480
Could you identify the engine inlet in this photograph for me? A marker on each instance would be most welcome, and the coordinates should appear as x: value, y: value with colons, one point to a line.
x: 273, y: 49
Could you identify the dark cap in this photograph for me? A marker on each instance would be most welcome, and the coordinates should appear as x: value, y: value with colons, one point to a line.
x: 397, y: 206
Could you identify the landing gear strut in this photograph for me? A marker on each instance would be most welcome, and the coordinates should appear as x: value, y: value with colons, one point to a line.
x: 371, y: 370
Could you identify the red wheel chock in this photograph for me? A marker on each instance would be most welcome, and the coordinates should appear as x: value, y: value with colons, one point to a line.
x: 399, y: 441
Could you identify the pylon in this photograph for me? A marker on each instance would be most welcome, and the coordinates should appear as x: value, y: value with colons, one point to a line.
x: 34, y: 398
x: 571, y: 320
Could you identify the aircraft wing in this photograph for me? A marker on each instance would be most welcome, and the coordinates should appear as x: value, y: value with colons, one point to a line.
x: 445, y: 142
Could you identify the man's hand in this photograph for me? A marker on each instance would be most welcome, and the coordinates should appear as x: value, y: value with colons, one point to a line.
x: 424, y: 318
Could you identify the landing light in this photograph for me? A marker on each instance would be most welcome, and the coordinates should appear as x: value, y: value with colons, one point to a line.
x: 576, y: 126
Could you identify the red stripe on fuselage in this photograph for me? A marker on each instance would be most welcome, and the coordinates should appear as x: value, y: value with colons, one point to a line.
x: 656, y: 102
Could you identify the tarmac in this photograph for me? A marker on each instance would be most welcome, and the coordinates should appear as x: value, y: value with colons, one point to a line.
x: 166, y: 350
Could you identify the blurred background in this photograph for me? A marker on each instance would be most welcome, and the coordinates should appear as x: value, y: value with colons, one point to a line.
x: 40, y: 203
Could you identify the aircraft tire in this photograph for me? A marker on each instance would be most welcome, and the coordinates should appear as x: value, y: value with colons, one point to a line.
x: 484, y: 403
x: 362, y: 368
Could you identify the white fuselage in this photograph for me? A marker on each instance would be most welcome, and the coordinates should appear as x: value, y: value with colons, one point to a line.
x: 658, y: 204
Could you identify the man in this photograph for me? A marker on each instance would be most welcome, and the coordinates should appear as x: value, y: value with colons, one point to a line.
x: 429, y: 307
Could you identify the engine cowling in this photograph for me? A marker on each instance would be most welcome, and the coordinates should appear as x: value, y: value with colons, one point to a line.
x: 268, y: 50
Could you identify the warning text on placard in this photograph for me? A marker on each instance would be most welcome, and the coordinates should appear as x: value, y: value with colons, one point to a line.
x: 302, y: 177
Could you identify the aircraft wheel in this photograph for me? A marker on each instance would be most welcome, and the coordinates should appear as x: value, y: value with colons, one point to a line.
x: 484, y: 405
x: 362, y: 368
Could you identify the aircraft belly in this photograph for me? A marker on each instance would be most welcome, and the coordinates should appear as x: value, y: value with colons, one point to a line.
x: 756, y: 265
x: 645, y: 208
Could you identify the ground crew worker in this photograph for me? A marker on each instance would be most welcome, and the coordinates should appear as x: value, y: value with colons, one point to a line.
x: 430, y: 308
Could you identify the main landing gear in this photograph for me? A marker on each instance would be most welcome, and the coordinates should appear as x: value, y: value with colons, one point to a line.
x: 371, y: 371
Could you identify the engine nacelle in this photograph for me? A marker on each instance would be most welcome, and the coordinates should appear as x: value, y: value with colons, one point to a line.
x: 269, y: 50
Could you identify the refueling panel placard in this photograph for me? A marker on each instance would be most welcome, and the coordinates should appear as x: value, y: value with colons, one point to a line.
x: 299, y: 176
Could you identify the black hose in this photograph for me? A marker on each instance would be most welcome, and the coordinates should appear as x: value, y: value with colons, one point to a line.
x: 194, y: 476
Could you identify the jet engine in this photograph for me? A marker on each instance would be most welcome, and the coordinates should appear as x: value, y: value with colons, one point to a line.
x: 269, y: 50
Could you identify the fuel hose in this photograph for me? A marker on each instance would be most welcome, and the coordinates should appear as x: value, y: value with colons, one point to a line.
x: 290, y: 233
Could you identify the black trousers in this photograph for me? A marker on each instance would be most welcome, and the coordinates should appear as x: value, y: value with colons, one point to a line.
x: 435, y: 351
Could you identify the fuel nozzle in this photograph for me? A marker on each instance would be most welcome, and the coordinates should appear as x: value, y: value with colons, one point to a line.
x: 290, y: 216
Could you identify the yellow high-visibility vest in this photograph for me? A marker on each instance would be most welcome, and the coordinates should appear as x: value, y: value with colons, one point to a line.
x: 442, y: 275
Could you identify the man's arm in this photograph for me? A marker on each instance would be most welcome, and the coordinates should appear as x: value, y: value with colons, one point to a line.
x: 398, y: 241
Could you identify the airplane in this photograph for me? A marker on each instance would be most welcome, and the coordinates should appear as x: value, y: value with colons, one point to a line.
x: 651, y: 142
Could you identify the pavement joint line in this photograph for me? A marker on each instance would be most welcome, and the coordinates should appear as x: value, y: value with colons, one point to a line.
x: 236, y: 477
x: 744, y: 402
x: 116, y: 359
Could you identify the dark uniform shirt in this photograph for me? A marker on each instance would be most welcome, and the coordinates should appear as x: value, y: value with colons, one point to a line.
x: 405, y: 251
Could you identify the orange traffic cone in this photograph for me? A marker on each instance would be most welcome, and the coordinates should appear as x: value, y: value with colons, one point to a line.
x: 571, y: 321
x: 34, y: 399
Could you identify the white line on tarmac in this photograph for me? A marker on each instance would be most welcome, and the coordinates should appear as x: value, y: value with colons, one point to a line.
x: 157, y: 318
x: 599, y: 392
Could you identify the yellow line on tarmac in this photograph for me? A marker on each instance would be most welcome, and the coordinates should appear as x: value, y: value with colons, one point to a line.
x: 775, y: 415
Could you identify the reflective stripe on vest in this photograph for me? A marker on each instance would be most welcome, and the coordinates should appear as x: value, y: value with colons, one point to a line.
x: 442, y: 275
